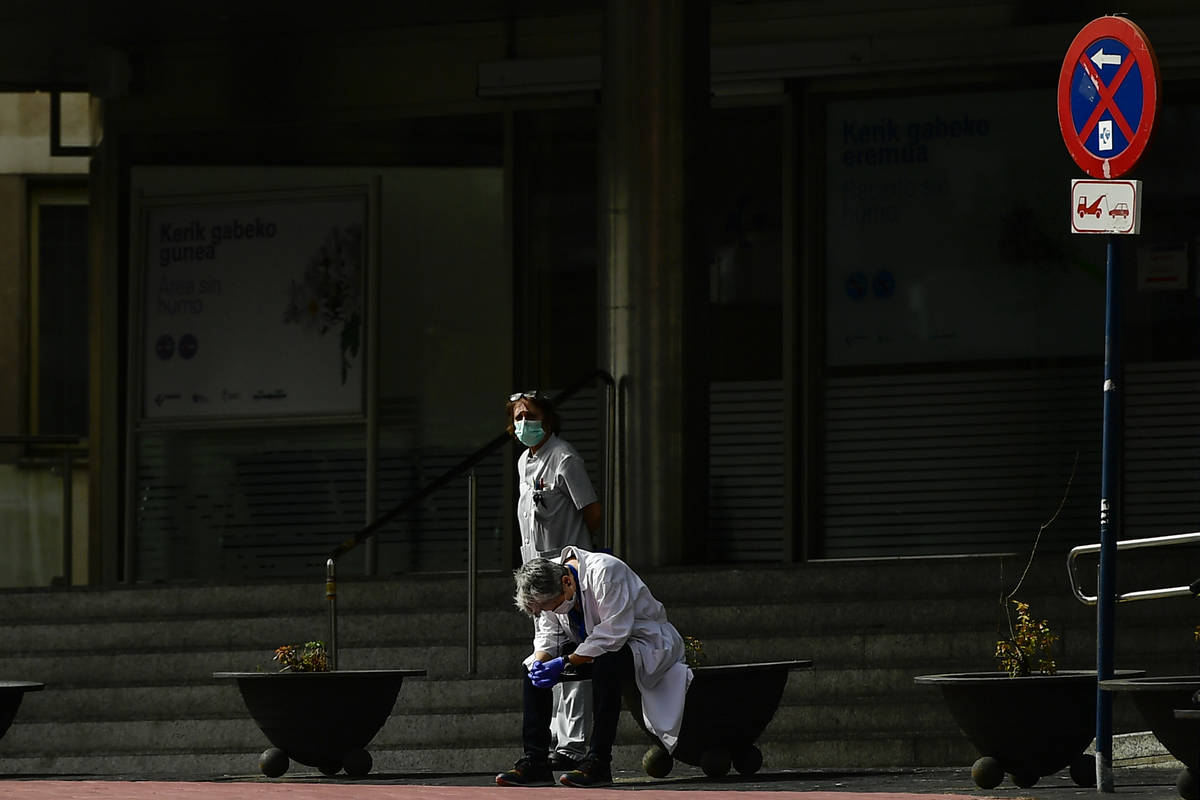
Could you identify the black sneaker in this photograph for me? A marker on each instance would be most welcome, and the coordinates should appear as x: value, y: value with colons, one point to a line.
x: 561, y: 762
x: 526, y: 773
x: 590, y: 773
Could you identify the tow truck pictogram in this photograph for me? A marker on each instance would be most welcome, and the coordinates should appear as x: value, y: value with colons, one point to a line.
x: 1093, y: 209
x: 1105, y: 207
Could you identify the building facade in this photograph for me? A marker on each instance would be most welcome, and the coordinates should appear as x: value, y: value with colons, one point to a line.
x: 822, y: 250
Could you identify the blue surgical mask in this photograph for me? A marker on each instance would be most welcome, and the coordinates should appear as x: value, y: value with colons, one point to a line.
x: 529, y: 431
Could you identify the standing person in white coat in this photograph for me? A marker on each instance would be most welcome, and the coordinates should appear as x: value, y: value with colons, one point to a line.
x: 557, y: 507
x: 599, y: 604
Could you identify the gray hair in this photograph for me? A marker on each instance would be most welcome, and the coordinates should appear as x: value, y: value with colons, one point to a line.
x: 538, y: 580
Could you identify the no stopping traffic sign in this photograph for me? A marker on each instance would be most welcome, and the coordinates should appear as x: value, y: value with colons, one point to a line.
x: 1108, y: 96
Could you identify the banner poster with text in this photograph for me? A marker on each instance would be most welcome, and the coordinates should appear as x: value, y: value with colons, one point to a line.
x: 254, y: 308
x: 947, y: 237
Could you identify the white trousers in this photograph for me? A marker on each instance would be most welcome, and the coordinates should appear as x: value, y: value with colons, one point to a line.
x: 572, y: 718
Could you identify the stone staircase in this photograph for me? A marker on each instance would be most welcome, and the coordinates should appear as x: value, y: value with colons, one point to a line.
x: 129, y: 686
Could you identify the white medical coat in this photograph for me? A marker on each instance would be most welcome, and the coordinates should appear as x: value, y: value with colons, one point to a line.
x: 554, y: 488
x: 618, y: 608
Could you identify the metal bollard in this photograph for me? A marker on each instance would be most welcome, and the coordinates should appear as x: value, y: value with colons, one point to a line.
x: 331, y: 596
x: 472, y: 571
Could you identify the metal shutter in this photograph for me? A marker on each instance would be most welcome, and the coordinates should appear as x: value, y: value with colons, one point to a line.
x: 745, y: 478
x: 959, y: 462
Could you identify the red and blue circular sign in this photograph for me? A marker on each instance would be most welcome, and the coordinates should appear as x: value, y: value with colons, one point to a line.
x: 1108, y: 96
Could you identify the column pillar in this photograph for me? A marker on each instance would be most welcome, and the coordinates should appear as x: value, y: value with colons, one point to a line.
x: 653, y: 271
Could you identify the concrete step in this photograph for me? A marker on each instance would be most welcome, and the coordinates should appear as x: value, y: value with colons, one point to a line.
x: 130, y: 687
x: 214, y: 715
x: 212, y: 698
x: 834, y: 653
x: 264, y: 628
x: 202, y: 763
x: 175, y: 652
x: 813, y: 703
x: 484, y: 762
x: 837, y: 582
x: 434, y: 743
x: 258, y: 630
x: 1137, y: 749
x: 979, y: 579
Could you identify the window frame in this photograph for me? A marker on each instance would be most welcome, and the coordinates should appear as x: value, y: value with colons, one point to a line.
x: 39, y: 195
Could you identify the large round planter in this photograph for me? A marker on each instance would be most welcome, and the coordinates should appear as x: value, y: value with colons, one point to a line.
x: 321, y: 719
x: 11, y: 694
x: 727, y: 708
x: 1026, y: 727
x: 1156, y: 699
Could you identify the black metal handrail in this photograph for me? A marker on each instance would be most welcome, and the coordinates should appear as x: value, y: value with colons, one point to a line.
x: 458, y: 470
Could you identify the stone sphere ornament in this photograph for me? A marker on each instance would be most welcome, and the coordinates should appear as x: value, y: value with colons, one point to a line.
x: 357, y: 763
x: 1186, y: 784
x: 748, y: 760
x: 1025, y: 778
x: 987, y: 773
x: 1083, y: 770
x: 715, y: 762
x: 273, y: 762
x: 657, y: 762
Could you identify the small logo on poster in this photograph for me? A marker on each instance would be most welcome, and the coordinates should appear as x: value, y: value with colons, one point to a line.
x: 187, y: 345
x: 883, y: 285
x: 856, y: 285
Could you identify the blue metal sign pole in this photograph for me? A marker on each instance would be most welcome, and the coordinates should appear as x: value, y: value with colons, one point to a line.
x: 1110, y: 461
x: 1108, y: 90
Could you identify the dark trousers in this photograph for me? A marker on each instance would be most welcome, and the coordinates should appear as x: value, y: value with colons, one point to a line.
x: 607, y: 673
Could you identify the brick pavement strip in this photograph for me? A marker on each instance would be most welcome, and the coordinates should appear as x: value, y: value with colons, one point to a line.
x: 186, y: 790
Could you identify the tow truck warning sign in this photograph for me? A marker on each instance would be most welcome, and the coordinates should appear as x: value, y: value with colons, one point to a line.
x: 1106, y: 206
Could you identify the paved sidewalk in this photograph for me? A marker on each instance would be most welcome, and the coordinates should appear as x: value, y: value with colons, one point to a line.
x: 95, y: 790
x: 1141, y: 783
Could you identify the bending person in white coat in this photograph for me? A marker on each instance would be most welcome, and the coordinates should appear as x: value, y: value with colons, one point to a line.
x: 597, y: 602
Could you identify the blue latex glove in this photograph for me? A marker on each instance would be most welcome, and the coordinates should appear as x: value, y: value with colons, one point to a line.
x: 545, y: 674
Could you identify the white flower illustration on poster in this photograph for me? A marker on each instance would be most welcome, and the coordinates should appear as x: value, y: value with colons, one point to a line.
x: 329, y: 295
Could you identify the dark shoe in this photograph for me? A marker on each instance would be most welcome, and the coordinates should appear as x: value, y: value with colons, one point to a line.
x: 561, y: 762
x: 526, y: 773
x: 589, y: 774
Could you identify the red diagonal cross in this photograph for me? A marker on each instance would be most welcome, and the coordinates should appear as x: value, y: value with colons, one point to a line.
x: 1106, y: 96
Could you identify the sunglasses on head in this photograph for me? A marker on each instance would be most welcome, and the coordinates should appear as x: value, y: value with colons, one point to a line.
x: 532, y: 394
